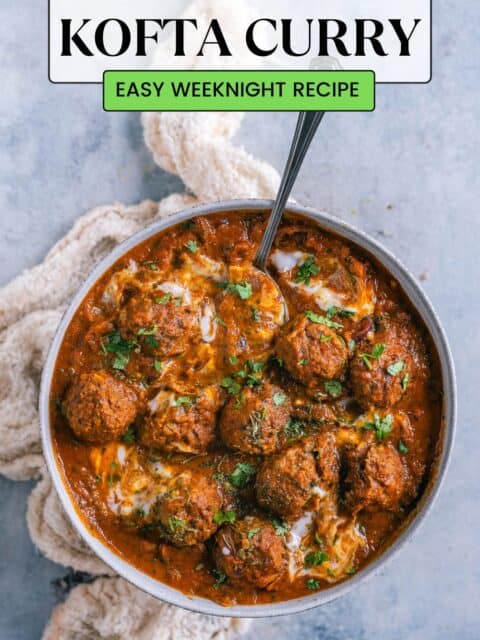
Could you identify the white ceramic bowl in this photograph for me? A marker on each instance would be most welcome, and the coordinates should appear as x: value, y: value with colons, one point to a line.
x: 202, y: 605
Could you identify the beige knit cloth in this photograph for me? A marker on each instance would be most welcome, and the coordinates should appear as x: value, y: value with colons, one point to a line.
x: 197, y: 148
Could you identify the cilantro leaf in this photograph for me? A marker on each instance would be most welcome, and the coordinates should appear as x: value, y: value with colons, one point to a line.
x: 242, y: 289
x: 281, y: 527
x: 306, y: 270
x: 318, y: 319
x: 185, y: 401
x: 314, y: 558
x: 333, y: 388
x: 402, y: 447
x: 395, y: 368
x: 340, y: 312
x: 220, y: 578
x: 377, y: 351
x: 121, y: 348
x: 294, y: 429
x: 147, y: 332
x: 381, y: 426
x: 129, y: 435
x: 312, y: 584
x: 222, y: 517
x: 230, y: 385
x: 242, y: 474
x: 279, y: 399
x: 192, y: 246
x: 176, y: 524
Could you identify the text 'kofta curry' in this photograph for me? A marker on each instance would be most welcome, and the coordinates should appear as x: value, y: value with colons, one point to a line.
x: 225, y: 449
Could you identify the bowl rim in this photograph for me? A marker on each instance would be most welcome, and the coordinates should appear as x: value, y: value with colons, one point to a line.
x: 418, y: 300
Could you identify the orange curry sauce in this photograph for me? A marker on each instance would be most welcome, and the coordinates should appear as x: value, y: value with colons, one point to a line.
x: 386, y: 429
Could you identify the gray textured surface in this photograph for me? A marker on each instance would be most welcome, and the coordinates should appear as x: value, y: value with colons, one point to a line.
x: 405, y: 173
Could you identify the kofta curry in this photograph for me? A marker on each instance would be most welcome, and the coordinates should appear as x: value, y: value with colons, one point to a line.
x: 233, y: 446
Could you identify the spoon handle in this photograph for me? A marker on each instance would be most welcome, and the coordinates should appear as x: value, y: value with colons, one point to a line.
x: 307, y: 125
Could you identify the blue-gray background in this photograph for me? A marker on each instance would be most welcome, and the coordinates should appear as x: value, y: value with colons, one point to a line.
x: 405, y: 174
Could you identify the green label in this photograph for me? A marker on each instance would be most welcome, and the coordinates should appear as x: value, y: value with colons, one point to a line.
x: 239, y: 91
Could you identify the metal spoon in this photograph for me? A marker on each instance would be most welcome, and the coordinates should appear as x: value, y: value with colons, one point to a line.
x: 307, y: 125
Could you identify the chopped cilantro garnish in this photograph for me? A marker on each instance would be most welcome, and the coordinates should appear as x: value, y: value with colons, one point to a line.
x: 405, y: 381
x: 254, y: 314
x: 253, y: 532
x: 350, y: 571
x: 157, y: 365
x: 294, y: 429
x: 230, y: 385
x: 317, y: 319
x: 324, y: 338
x: 121, y: 348
x: 151, y: 341
x: 233, y: 359
x: 150, y: 264
x: 192, y: 246
x: 314, y: 558
x: 164, y: 299
x: 129, y: 435
x: 340, y: 312
x: 402, y: 447
x: 312, y: 584
x: 306, y: 270
x: 255, y: 366
x: 144, y: 331
x: 279, y: 399
x: 281, y: 527
x: 242, y: 289
x: 185, y: 401
x: 242, y: 474
x: 381, y: 426
x: 175, y: 524
x: 220, y: 578
x: 395, y: 368
x: 222, y: 517
x: 377, y: 351
x: 219, y: 321
x: 333, y: 388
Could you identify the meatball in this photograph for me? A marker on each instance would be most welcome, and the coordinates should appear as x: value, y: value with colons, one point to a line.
x: 250, y: 551
x: 159, y: 322
x: 254, y: 422
x: 311, y: 351
x: 99, y: 407
x: 186, y: 511
x: 379, y: 367
x: 376, y: 479
x: 286, y: 480
x: 181, y: 423
x: 324, y: 448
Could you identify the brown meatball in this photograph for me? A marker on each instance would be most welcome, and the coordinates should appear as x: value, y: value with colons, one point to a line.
x: 379, y: 367
x: 186, y: 511
x: 311, y: 351
x: 286, y: 480
x: 254, y: 421
x: 250, y: 551
x: 376, y: 478
x: 325, y: 450
x: 159, y: 322
x: 181, y: 423
x: 99, y: 407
